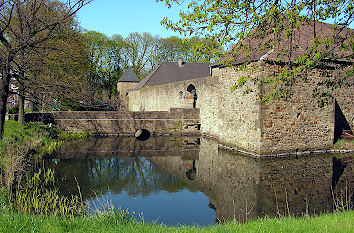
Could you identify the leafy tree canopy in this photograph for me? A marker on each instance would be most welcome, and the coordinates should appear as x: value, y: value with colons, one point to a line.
x: 274, y: 24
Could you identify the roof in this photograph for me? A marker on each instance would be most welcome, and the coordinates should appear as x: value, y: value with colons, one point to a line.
x: 129, y: 76
x: 302, y: 39
x: 170, y: 72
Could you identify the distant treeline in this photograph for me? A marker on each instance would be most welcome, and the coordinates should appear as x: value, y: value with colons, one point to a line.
x: 110, y: 56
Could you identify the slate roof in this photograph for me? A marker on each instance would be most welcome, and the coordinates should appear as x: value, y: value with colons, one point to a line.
x: 302, y: 39
x: 129, y: 76
x: 170, y: 72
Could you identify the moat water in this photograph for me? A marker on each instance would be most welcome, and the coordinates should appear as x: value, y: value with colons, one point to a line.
x: 188, y: 180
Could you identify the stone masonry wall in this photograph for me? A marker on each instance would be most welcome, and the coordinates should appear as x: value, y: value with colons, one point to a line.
x: 344, y: 108
x: 231, y: 117
x: 240, y: 121
x: 297, y: 123
x: 238, y: 113
x: 167, y: 96
x: 174, y: 122
x: 123, y: 88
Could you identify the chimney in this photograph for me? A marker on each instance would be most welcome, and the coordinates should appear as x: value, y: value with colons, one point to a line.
x: 180, y: 62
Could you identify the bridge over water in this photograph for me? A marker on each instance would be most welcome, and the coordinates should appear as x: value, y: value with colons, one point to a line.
x: 173, y: 122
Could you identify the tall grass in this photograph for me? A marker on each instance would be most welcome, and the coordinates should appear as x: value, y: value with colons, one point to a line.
x: 23, y: 142
x: 18, y: 142
x: 38, y: 194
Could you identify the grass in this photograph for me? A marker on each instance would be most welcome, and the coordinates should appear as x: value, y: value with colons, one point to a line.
x: 23, y: 142
x: 113, y: 222
x: 34, y: 193
x: 13, y: 221
x: 38, y: 194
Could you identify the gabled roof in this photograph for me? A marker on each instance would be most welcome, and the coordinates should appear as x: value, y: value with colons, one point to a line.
x: 129, y: 76
x: 301, y: 40
x: 170, y: 72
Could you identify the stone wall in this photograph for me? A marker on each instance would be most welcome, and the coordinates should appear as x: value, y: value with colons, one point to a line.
x: 240, y: 121
x: 230, y: 117
x: 297, y: 123
x: 167, y: 96
x: 239, y: 125
x: 123, y: 89
x: 344, y: 109
x: 174, y: 122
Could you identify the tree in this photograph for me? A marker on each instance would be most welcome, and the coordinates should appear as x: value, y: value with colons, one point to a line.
x: 60, y: 80
x: 105, y: 59
x: 27, y: 25
x: 137, y: 50
x: 193, y: 49
x: 203, y: 49
x: 45, y: 75
x: 273, y: 24
x: 172, y: 49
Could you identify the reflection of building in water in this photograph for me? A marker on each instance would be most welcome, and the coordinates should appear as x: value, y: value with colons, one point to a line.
x: 190, y: 169
x: 237, y: 186
x: 243, y: 188
x: 129, y: 146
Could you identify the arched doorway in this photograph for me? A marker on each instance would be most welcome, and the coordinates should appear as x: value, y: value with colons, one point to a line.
x: 193, y: 92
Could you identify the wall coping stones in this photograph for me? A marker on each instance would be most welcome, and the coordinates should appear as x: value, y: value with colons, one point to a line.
x: 284, y: 154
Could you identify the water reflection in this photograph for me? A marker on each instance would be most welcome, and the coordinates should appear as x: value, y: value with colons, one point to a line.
x: 183, y: 180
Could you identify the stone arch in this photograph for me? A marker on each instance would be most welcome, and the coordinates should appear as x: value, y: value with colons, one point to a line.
x: 142, y: 134
x: 193, y: 92
x: 190, y: 88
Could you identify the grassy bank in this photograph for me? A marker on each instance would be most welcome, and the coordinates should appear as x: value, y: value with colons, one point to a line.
x: 21, y: 143
x: 110, y: 222
x: 11, y: 221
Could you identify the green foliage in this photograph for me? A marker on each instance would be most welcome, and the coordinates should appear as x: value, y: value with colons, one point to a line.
x: 106, y: 63
x: 5, y: 205
x: 350, y: 71
x: 344, y: 145
x: 240, y: 82
x: 242, y: 21
x: 143, y: 52
x: 38, y: 195
x: 13, y: 110
x: 21, y: 142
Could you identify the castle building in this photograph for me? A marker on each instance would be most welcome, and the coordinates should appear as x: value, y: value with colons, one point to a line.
x: 238, y: 119
x: 126, y: 83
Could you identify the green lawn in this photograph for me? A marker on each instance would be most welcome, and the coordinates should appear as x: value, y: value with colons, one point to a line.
x: 14, y: 222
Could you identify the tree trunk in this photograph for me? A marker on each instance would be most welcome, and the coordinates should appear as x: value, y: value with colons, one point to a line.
x: 21, y: 104
x: 4, y: 93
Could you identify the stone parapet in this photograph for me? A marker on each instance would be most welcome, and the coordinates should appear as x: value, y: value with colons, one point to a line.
x: 174, y: 122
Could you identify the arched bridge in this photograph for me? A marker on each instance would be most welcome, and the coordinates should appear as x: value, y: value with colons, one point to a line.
x: 173, y: 122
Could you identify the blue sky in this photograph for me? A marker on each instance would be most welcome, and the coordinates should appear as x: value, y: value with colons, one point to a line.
x: 123, y: 17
